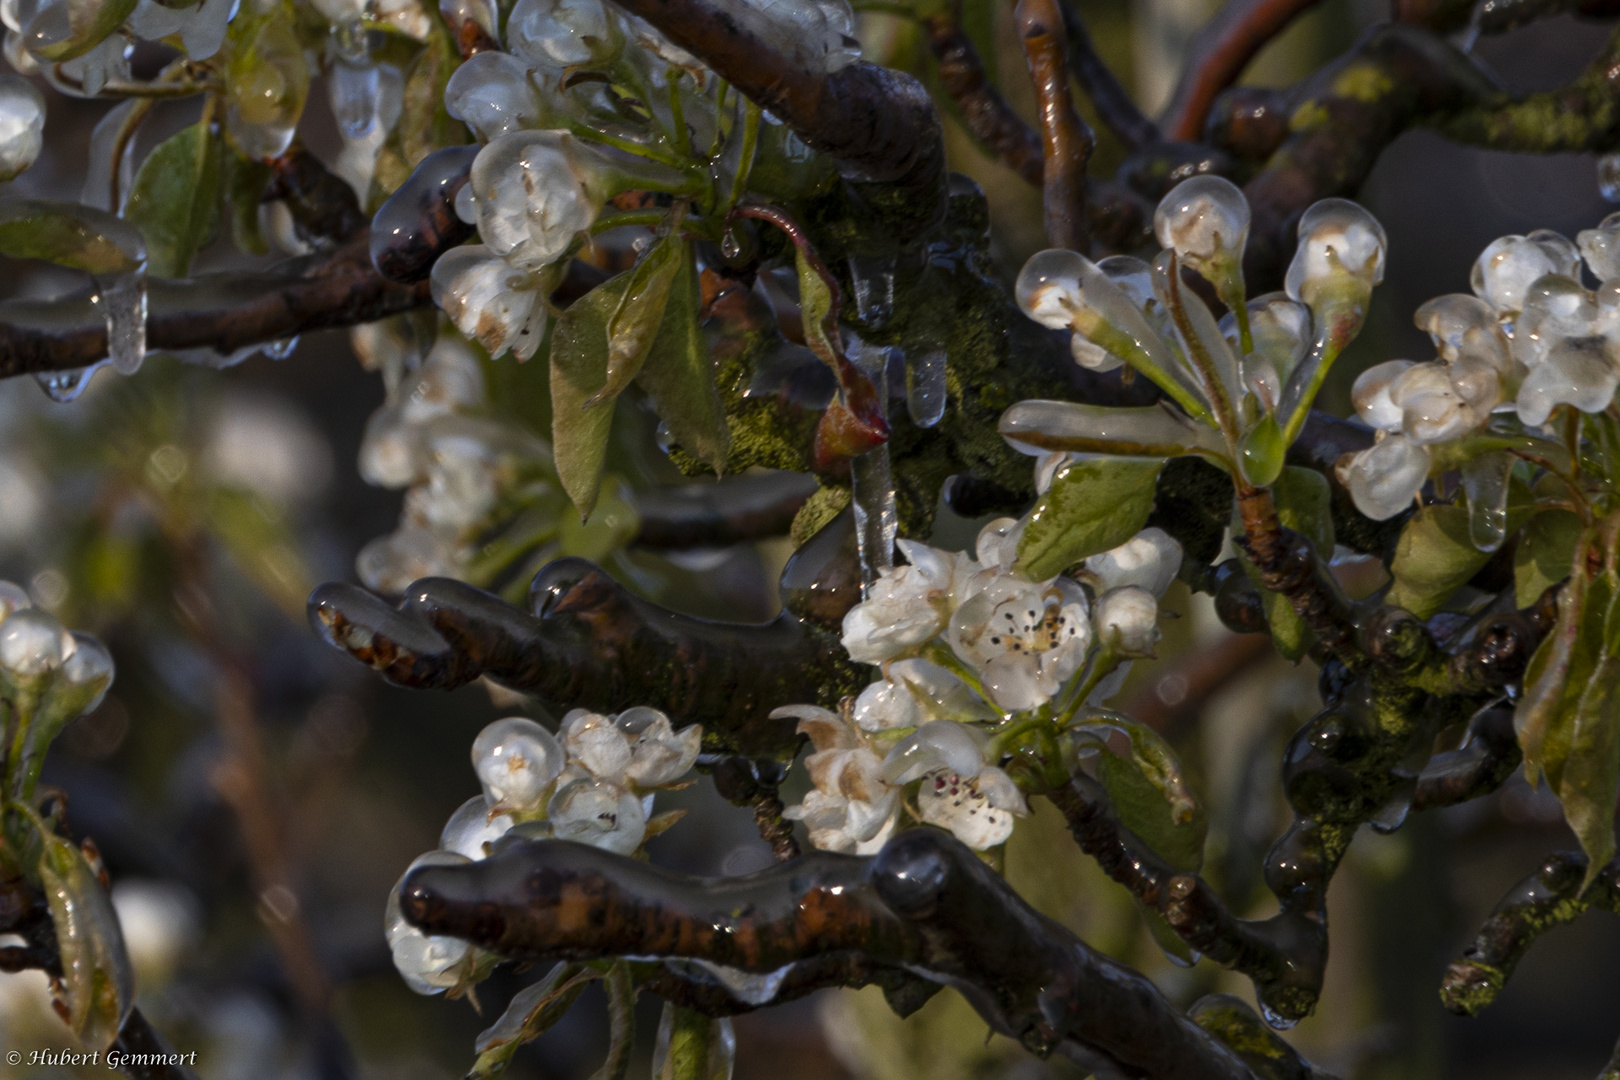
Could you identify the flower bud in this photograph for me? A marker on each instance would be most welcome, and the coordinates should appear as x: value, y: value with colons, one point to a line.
x: 22, y: 124
x: 564, y: 33
x: 1206, y: 220
x: 599, y: 813
x: 1601, y: 248
x: 491, y: 93
x: 1128, y: 619
x: 1510, y: 264
x: 1386, y: 477
x: 1370, y: 394
x: 32, y: 643
x: 1341, y: 245
x: 1048, y: 287
x: 427, y: 964
x: 471, y: 827
x: 516, y: 759
x: 1148, y: 560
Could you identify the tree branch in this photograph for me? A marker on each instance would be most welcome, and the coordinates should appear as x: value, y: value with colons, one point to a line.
x: 732, y: 510
x: 1550, y: 897
x: 1112, y: 101
x: 925, y: 904
x: 985, y: 112
x: 1067, y: 139
x: 591, y: 643
x: 1218, y: 55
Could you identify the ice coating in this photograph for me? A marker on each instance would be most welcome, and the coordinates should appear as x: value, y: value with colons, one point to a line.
x: 532, y: 197
x: 1338, y: 239
x: 1048, y: 287
x: 1600, y: 247
x: 517, y: 760
x: 22, y: 124
x: 1509, y: 265
x: 492, y: 94
x: 501, y: 308
x: 563, y: 33
x: 1387, y: 477
x: 1203, y: 219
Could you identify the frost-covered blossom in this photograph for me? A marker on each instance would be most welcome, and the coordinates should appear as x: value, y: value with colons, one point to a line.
x: 1023, y: 639
x: 535, y: 193
x: 960, y: 791
x: 1509, y: 265
x: 563, y: 33
x: 852, y: 808
x: 1204, y: 219
x: 907, y: 606
x: 516, y: 760
x: 499, y: 307
x: 22, y: 124
x: 1340, y: 245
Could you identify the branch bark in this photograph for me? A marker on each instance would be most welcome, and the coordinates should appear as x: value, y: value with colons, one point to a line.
x: 1218, y: 55
x: 1067, y: 140
x: 988, y: 116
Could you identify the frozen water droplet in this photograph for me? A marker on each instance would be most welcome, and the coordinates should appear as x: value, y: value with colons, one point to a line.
x: 925, y: 387
x: 349, y: 41
x: 873, y: 277
x: 354, y: 89
x: 124, y: 307
x: 1608, y: 176
x: 1281, y: 1023
x: 877, y: 522
x: 64, y: 386
x: 1190, y: 959
x: 664, y: 437
x: 1485, y: 480
x: 1392, y: 815
x: 730, y: 246
x: 280, y: 350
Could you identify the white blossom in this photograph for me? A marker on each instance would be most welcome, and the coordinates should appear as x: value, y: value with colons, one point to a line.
x: 1203, y: 218
x: 852, y: 808
x: 959, y: 789
x: 604, y: 814
x: 907, y: 606
x: 1386, y: 477
x: 429, y: 965
x: 638, y: 747
x: 1150, y: 559
x: 474, y: 826
x: 533, y: 197
x: 517, y: 760
x: 1339, y: 241
x: 1128, y: 620
x: 1023, y: 639
x: 1510, y: 264
x: 1601, y: 248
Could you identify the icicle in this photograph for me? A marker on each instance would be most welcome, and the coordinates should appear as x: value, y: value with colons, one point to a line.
x: 877, y: 522
x: 99, y: 176
x: 64, y: 386
x: 123, y: 300
x: 1608, y: 176
x: 873, y: 277
x: 280, y: 350
x: 354, y: 90
x: 1281, y: 1023
x: 925, y: 387
x: 1485, y: 480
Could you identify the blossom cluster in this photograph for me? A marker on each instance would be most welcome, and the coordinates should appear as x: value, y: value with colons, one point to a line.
x: 431, y: 438
x: 1530, y: 339
x: 963, y: 641
x: 593, y: 783
x: 542, y: 177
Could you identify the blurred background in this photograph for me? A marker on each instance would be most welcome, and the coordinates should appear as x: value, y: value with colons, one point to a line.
x: 256, y: 794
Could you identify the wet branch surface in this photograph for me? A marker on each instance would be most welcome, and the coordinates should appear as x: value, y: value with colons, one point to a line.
x: 925, y: 905
x: 1218, y: 55
x: 591, y: 643
x: 988, y: 116
x: 1550, y: 897
x: 1066, y: 139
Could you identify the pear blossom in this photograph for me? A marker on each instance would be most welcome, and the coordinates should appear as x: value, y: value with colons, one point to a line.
x: 1600, y: 247
x: 1128, y: 620
x: 1150, y: 560
x: 599, y: 812
x: 1205, y: 219
x: 428, y: 964
x: 1509, y: 265
x: 516, y: 759
x: 852, y: 807
x: 534, y: 195
x: 913, y: 691
x: 1023, y: 639
x: 637, y: 748
x: 1340, y: 244
x: 960, y: 790
x: 473, y: 827
x: 906, y: 606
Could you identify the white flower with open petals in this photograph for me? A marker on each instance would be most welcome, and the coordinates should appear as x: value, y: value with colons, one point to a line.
x: 1023, y: 639
x: 852, y: 808
x: 638, y: 747
x: 960, y: 790
x: 907, y: 606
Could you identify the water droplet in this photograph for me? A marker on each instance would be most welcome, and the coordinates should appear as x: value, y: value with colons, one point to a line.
x: 1392, y: 815
x: 730, y: 246
x: 873, y: 278
x: 925, y: 388
x: 1281, y: 1023
x: 354, y: 89
x: 1187, y: 960
x: 1608, y: 176
x: 664, y: 437
x: 65, y: 386
x: 124, y: 300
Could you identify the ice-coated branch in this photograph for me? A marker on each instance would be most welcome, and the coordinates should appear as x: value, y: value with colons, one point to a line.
x: 925, y: 904
x: 1108, y: 96
x: 1487, y: 757
x: 733, y: 510
x: 1218, y: 55
x: 879, y: 125
x: 1497, y: 17
x: 1288, y: 564
x: 591, y: 643
x: 222, y: 311
x: 1066, y: 139
x: 985, y: 112
x: 1550, y: 897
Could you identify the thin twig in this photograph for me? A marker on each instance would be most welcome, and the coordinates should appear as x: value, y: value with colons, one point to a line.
x: 1067, y: 139
x: 988, y: 116
x: 1108, y: 96
x: 1218, y: 56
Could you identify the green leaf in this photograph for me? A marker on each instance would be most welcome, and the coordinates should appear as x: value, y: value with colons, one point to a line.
x: 530, y: 1014
x: 1433, y: 558
x: 612, y: 525
x: 1590, y: 779
x: 579, y: 359
x: 1542, y: 556
x: 67, y: 234
x: 175, y: 199
x: 244, y: 187
x: 691, y: 1046
x: 1546, y: 677
x: 1094, y: 504
x: 815, y: 304
x: 640, y: 314
x: 679, y: 375
x: 1149, y: 792
x: 98, y: 982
